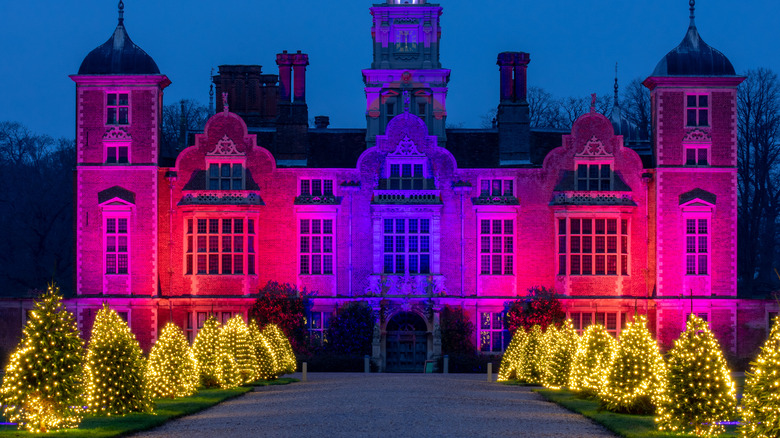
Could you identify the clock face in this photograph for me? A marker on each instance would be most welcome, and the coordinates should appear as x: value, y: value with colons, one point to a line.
x: 405, y: 40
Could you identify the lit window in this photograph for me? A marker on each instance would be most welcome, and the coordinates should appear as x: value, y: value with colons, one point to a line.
x: 697, y: 110
x: 497, y: 187
x: 226, y: 176
x: 220, y: 246
x: 493, y: 335
x: 117, y: 109
x: 407, y: 246
x: 496, y: 246
x: 592, y: 177
x: 316, y: 187
x: 697, y: 238
x: 593, y: 246
x: 406, y: 176
x: 318, y: 327
x: 316, y: 239
x: 117, y: 245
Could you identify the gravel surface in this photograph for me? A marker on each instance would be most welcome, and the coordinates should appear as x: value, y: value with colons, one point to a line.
x: 384, y: 405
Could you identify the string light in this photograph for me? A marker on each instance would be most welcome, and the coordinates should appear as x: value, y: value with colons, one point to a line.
x: 172, y: 370
x: 592, y: 360
x: 42, y: 385
x: 235, y: 340
x: 560, y: 353
x: 531, y: 366
x: 206, y: 350
x: 700, y: 392
x: 114, y: 368
x: 637, y: 379
x: 282, y: 350
x: 512, y: 357
x: 761, y: 399
x: 265, y: 353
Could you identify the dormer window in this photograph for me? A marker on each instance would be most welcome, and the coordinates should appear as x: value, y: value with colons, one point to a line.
x: 316, y: 187
x: 226, y: 176
x: 117, y: 109
x: 697, y: 110
x: 406, y: 176
x: 593, y: 177
x: 497, y: 187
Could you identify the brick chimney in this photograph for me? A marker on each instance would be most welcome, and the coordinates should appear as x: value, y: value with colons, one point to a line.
x: 514, y: 130
x: 292, y: 121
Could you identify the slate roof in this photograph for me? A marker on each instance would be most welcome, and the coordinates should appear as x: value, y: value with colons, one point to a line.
x: 118, y: 56
x: 694, y: 57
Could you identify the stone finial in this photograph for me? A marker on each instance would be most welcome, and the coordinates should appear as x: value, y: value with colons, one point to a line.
x: 121, y: 12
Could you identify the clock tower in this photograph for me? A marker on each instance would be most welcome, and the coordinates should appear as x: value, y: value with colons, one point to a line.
x: 406, y: 74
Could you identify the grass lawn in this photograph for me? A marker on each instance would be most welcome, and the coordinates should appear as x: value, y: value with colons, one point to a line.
x: 165, y: 410
x: 625, y: 425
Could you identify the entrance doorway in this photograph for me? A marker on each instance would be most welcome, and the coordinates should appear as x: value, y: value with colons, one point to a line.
x: 407, y: 343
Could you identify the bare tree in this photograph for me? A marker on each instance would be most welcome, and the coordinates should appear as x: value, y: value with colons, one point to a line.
x: 758, y: 167
x: 636, y: 107
x: 179, y: 118
x: 543, y: 109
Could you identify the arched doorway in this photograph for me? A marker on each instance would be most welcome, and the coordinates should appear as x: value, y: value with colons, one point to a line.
x: 406, y: 343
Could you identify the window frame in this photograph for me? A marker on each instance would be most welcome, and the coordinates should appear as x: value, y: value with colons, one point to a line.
x: 599, y: 178
x: 622, y: 251
x: 491, y: 332
x: 192, y: 249
x: 406, y: 236
x: 117, y: 213
x: 322, y: 329
x: 490, y: 182
x: 696, y: 237
x: 599, y: 317
x: 487, y: 253
x: 232, y: 162
x: 310, y: 254
x: 415, y: 164
x: 323, y: 182
x: 698, y: 108
x: 116, y: 106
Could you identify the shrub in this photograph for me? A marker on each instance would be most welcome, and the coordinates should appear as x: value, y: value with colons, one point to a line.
x: 541, y: 307
x: 531, y: 367
x: 561, y: 353
x: 234, y: 339
x: 592, y: 360
x: 761, y: 400
x: 285, y: 306
x: 351, y: 330
x: 114, y: 368
x: 267, y: 364
x: 512, y: 357
x: 700, y: 392
x: 457, y: 332
x: 172, y: 370
x: 284, y: 358
x: 637, y: 378
x: 206, y: 350
x: 42, y: 385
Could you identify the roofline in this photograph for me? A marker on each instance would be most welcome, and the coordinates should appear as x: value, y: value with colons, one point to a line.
x: 692, y: 81
x: 114, y: 79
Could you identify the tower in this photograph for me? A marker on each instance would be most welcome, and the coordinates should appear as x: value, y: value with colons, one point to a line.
x: 406, y: 74
x: 694, y: 104
x: 119, y: 92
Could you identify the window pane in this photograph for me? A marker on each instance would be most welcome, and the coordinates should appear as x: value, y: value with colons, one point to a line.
x: 703, y: 101
x: 691, y: 101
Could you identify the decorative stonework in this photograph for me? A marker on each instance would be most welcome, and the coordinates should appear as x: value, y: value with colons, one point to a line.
x: 495, y: 200
x: 116, y: 133
x: 697, y: 135
x: 594, y: 148
x: 222, y: 198
x: 406, y: 148
x: 226, y: 147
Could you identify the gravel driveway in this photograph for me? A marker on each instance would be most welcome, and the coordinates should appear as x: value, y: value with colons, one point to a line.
x: 384, y: 405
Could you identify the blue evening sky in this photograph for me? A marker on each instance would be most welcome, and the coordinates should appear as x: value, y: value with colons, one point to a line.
x: 574, y: 45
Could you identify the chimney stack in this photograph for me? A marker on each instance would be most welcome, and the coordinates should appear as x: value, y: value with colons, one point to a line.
x: 284, y: 61
x: 514, y: 130
x: 321, y: 122
x: 291, y: 141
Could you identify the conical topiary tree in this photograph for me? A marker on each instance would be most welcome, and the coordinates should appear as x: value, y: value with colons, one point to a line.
x: 530, y: 368
x: 41, y: 389
x: 283, y: 352
x: 512, y: 357
x: 700, y: 392
x: 548, y: 345
x: 234, y: 339
x: 637, y: 379
x: 760, y: 407
x: 267, y: 365
x: 172, y: 370
x: 559, y: 361
x: 228, y: 375
x: 206, y: 350
x: 114, y: 368
x: 591, y: 363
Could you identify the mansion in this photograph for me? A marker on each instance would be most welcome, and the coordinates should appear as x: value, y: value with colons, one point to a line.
x: 406, y: 214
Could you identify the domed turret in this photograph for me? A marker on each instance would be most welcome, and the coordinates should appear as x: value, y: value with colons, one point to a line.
x: 119, y: 55
x: 694, y: 57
